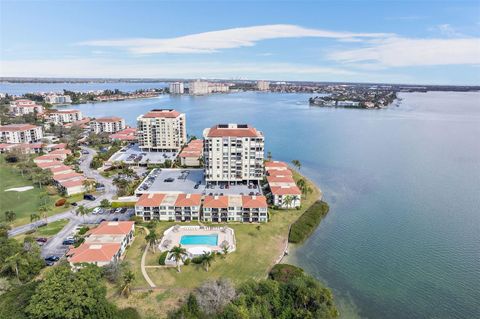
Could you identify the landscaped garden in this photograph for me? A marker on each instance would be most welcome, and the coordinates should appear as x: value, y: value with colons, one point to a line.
x: 259, y: 247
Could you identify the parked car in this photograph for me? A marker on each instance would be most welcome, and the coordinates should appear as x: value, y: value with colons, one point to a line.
x: 117, y: 211
x: 89, y: 197
x: 74, y: 204
x: 96, y: 210
x: 168, y: 180
x: 115, y: 219
x: 68, y: 242
x: 50, y: 260
x: 41, y: 240
x: 123, y: 210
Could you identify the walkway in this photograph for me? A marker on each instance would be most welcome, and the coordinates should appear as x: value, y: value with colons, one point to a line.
x: 142, y: 264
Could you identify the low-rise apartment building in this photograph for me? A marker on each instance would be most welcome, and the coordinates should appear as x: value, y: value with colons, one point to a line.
x: 127, y: 135
x: 20, y: 133
x: 111, y: 124
x: 26, y: 148
x: 283, y: 189
x: 233, y: 153
x: 192, y: 153
x: 105, y: 244
x: 169, y: 207
x: 64, y: 116
x: 162, y: 130
x: 238, y: 208
x: 22, y: 107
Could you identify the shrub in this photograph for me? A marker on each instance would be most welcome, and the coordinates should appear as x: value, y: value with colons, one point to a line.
x: 161, y: 259
x: 285, y: 272
x: 83, y: 230
x: 187, y: 262
x: 128, y: 313
x: 122, y: 204
x: 197, y: 260
x: 60, y: 202
x: 306, y: 224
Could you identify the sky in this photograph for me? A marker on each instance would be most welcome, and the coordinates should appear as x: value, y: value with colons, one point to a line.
x: 413, y: 42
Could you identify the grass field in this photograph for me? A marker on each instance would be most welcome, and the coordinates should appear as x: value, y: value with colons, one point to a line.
x: 46, y: 231
x: 23, y: 203
x: 257, y: 251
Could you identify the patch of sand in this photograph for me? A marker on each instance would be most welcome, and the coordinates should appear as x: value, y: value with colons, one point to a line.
x: 19, y: 189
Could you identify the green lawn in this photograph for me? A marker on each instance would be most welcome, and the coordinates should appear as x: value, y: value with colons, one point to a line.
x: 257, y: 251
x: 46, y: 231
x: 24, y: 203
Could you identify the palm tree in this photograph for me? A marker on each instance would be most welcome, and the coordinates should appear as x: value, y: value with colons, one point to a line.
x: 177, y: 253
x: 88, y: 184
x: 10, y: 216
x: 297, y: 164
x: 82, y: 211
x: 34, y: 218
x: 152, y: 239
x: 13, y: 262
x: 308, y: 190
x: 207, y: 259
x: 288, y: 199
x: 44, y: 209
x: 126, y: 284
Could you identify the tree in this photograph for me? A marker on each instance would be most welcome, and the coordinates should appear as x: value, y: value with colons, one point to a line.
x: 207, y: 259
x: 287, y: 200
x: 43, y: 210
x: 105, y: 203
x: 82, y: 294
x: 152, y: 239
x: 10, y: 216
x: 297, y: 164
x: 89, y: 184
x: 126, y: 284
x: 213, y: 296
x: 13, y: 262
x: 41, y: 177
x: 34, y: 218
x: 82, y: 211
x: 177, y: 254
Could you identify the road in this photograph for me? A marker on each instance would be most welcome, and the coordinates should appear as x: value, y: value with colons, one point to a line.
x: 110, y: 191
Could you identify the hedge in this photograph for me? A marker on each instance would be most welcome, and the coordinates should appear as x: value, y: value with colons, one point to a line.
x: 306, y: 224
x: 122, y: 204
x: 285, y: 272
x: 161, y: 259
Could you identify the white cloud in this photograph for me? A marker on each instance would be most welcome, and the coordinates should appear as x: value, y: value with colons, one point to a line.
x: 214, y: 41
x: 98, y: 67
x: 402, y: 52
x: 447, y: 30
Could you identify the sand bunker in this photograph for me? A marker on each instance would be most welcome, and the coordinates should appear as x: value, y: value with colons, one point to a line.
x: 19, y: 189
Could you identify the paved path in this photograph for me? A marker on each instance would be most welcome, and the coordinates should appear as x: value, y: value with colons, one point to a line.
x: 142, y: 264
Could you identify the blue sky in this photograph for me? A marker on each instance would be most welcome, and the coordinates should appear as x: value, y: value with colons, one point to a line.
x: 429, y: 42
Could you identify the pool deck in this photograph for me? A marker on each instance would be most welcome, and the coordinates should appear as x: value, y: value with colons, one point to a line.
x: 172, y: 236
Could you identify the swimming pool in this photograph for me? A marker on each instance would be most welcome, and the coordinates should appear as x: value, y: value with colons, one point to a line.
x: 208, y: 240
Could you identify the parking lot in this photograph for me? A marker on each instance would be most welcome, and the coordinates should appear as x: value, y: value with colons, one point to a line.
x: 190, y: 181
x: 55, y: 247
x: 133, y: 155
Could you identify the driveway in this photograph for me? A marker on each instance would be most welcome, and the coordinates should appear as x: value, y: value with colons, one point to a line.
x: 110, y: 191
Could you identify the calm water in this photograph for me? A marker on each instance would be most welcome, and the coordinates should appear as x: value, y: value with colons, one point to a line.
x: 402, y: 239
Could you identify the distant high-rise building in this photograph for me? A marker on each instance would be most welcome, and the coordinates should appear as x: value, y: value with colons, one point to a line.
x: 58, y: 99
x: 162, y: 130
x: 176, y: 88
x: 198, y: 87
x: 263, y: 85
x: 233, y: 153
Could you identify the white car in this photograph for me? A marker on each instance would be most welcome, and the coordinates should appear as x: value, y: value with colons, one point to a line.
x: 96, y: 210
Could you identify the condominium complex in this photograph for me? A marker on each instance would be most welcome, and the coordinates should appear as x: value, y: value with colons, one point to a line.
x: 20, y: 133
x: 263, y: 85
x: 192, y: 153
x: 218, y: 88
x: 64, y: 116
x: 58, y: 99
x: 110, y: 125
x: 283, y: 189
x: 176, y: 88
x: 169, y: 207
x: 162, y: 130
x: 198, y: 87
x: 237, y: 208
x: 22, y: 107
x: 233, y: 153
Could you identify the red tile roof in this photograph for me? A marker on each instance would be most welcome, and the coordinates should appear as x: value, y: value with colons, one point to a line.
x: 162, y: 113
x: 17, y: 127
x: 113, y: 228
x: 60, y: 152
x: 50, y: 164
x: 150, y: 200
x: 73, y: 183
x: 187, y: 200
x: 60, y: 168
x: 249, y: 131
x: 284, y: 190
x: 108, y: 119
x: 92, y: 252
x: 254, y: 201
x: 280, y: 179
x: 276, y: 172
x: 59, y: 146
x: 67, y: 176
x: 215, y: 202
x: 275, y: 164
